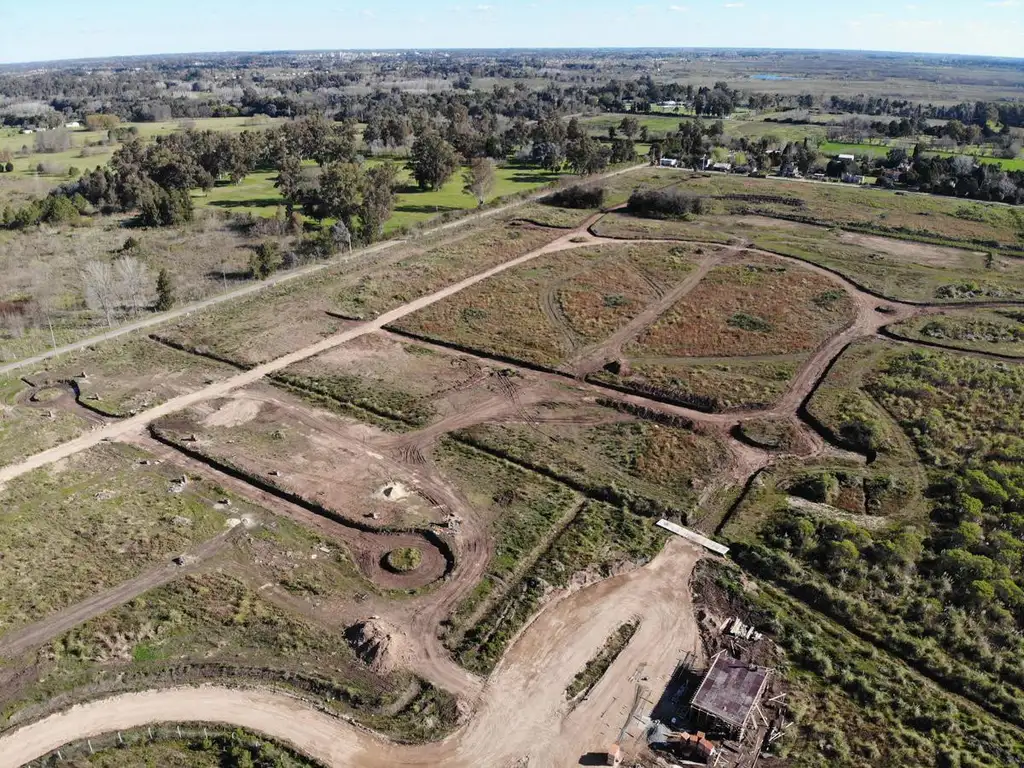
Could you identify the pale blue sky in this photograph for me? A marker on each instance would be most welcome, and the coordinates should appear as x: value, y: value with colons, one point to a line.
x: 56, y: 29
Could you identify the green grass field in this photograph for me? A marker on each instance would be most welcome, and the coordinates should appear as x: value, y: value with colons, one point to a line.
x: 258, y: 196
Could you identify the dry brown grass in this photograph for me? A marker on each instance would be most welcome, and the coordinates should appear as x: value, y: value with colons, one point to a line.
x: 543, y: 311
x: 757, y: 307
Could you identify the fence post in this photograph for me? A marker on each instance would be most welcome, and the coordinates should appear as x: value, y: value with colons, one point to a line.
x: 91, y: 750
x: 119, y: 739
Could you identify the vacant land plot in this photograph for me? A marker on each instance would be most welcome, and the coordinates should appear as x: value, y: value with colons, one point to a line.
x: 999, y: 332
x: 720, y: 385
x: 904, y: 215
x: 45, y: 265
x: 520, y: 508
x: 27, y: 428
x: 312, y: 453
x: 216, y: 626
x: 900, y: 270
x: 757, y: 307
x: 850, y: 417
x: 121, y: 376
x: 541, y: 312
x: 656, y: 468
x: 251, y: 330
x: 92, y: 522
x: 621, y: 225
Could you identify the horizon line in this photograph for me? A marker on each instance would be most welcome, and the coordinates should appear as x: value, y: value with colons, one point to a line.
x: 430, y: 49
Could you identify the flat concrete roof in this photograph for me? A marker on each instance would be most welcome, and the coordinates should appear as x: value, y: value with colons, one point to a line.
x: 730, y: 690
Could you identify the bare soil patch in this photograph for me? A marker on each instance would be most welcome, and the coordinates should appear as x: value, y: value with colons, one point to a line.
x: 915, y: 253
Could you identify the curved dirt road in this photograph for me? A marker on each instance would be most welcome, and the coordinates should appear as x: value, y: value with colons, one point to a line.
x: 523, y: 713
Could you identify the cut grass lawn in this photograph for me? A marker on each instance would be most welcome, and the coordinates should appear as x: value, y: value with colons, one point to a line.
x: 541, y: 312
x: 92, y: 522
x: 998, y: 332
x: 758, y: 307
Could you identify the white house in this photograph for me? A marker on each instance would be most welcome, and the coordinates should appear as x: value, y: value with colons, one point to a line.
x: 844, y: 158
x: 669, y: 162
x: 73, y: 124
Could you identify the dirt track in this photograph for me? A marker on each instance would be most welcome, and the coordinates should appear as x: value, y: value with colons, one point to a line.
x: 523, y: 714
x: 521, y: 706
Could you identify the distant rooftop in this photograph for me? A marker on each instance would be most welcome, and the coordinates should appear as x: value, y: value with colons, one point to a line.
x: 730, y: 690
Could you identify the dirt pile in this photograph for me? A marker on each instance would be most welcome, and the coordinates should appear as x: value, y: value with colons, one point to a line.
x: 378, y: 644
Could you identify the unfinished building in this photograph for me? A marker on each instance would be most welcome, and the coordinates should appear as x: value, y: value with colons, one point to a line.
x: 728, y: 695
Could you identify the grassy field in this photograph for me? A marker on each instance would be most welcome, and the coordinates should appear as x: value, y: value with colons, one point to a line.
x: 180, y: 747
x: 101, y: 519
x: 257, y: 195
x: 655, y: 467
x: 627, y: 227
x: 543, y: 311
x: 911, y: 216
x: 998, y: 332
x: 900, y: 270
x: 758, y: 307
x: 216, y: 626
x: 520, y: 507
x: 203, y: 259
x: 718, y: 386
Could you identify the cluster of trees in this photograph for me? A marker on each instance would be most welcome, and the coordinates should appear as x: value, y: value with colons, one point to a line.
x: 664, y: 203
x: 577, y: 196
x: 957, y: 176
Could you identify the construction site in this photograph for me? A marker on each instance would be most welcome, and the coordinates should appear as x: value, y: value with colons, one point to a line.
x: 727, y: 712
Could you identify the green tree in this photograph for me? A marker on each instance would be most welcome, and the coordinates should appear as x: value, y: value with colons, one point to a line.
x: 338, y: 194
x: 164, y: 291
x: 432, y: 161
x: 479, y: 179
x: 378, y: 200
x: 265, y: 259
x: 289, y: 181
x: 630, y: 127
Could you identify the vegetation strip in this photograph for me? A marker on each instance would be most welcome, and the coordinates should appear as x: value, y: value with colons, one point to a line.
x: 591, y: 674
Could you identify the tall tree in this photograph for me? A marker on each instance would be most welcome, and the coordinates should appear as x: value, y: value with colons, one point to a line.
x: 378, y: 200
x: 433, y: 161
x: 164, y: 291
x: 479, y: 179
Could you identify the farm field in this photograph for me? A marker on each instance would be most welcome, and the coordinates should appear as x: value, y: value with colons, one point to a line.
x: 544, y: 311
x: 998, y: 332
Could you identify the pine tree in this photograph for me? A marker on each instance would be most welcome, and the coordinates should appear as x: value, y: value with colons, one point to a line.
x: 164, y: 291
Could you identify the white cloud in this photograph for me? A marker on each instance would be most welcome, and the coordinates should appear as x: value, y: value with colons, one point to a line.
x: 484, y: 8
x: 733, y: 5
x: 367, y: 13
x: 678, y: 8
x: 1003, y: 3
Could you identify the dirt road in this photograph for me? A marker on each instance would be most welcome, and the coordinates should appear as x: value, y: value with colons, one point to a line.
x: 135, y: 423
x: 277, y: 279
x: 523, y: 714
x: 34, y: 635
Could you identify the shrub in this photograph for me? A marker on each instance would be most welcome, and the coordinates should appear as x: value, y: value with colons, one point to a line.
x: 664, y: 203
x: 577, y: 196
x: 404, y: 559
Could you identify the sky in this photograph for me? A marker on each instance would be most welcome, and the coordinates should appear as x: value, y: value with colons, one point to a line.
x: 62, y: 29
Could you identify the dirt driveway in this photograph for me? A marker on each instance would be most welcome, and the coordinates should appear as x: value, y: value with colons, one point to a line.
x: 523, y: 714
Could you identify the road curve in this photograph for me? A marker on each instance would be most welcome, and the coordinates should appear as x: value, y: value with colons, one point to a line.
x: 523, y: 713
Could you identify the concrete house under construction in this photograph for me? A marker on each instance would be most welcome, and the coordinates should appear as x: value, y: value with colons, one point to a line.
x: 729, y: 694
